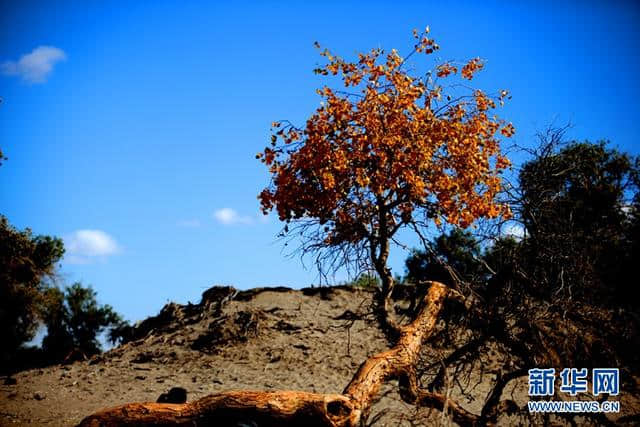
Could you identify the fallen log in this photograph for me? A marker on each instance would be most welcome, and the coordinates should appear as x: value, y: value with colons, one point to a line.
x: 298, y: 408
x: 232, y: 408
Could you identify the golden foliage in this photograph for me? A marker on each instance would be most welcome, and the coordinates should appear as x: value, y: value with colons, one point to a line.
x: 392, y: 145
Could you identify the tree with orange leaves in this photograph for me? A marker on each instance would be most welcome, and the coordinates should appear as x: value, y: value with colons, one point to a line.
x: 390, y: 151
x: 395, y: 153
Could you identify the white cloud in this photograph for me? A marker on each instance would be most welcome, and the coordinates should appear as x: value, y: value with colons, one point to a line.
x: 189, y: 223
x: 84, y: 245
x: 228, y: 216
x: 36, y: 66
x: 514, y: 230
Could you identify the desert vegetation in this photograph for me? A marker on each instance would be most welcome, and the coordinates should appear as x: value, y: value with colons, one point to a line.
x: 30, y: 298
x: 508, y: 267
x: 392, y: 151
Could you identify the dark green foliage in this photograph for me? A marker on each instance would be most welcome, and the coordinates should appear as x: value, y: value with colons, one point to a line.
x: 25, y: 261
x: 580, y: 205
x: 121, y: 332
x: 575, y: 205
x: 633, y: 236
x: 456, y: 252
x: 365, y: 281
x: 566, y: 294
x: 74, y: 320
x: 581, y: 187
x: 503, y: 260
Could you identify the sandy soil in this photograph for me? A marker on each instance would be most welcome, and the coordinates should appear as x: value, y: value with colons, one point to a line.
x: 273, y: 338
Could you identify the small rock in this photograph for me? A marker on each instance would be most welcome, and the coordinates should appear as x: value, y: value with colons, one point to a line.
x: 304, y: 348
x: 141, y: 377
x: 286, y: 326
x: 274, y: 359
x: 143, y: 358
x: 38, y: 396
x: 175, y: 395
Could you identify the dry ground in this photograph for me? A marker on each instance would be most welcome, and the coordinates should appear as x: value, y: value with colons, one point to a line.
x: 266, y: 339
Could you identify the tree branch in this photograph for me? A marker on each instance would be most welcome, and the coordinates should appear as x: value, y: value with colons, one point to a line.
x: 297, y: 408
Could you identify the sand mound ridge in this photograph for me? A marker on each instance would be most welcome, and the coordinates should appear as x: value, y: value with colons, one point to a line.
x: 313, y: 339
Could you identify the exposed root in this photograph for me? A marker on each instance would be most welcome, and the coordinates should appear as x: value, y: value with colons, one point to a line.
x: 297, y: 408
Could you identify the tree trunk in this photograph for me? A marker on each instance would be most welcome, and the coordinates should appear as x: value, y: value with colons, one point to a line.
x: 384, y: 305
x: 402, y: 358
x: 263, y: 408
x: 383, y: 302
x: 296, y: 408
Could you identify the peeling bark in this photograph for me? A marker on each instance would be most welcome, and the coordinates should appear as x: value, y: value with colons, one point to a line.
x: 402, y: 358
x: 296, y: 408
x: 264, y: 408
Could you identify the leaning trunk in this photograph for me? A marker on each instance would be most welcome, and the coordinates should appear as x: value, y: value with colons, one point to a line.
x: 296, y: 408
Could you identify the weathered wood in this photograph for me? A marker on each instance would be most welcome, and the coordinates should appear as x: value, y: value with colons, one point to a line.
x: 390, y: 364
x: 297, y: 408
x: 294, y: 408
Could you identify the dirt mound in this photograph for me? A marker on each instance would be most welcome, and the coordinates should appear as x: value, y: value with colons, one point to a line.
x: 312, y: 339
x: 269, y: 338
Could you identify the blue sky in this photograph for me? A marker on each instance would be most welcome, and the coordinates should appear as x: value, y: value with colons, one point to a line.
x: 131, y: 127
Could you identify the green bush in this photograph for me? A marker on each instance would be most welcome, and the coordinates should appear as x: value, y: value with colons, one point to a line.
x: 74, y: 320
x: 365, y: 280
x: 26, y: 261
